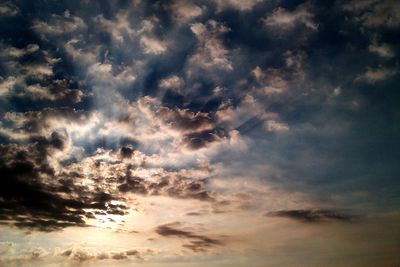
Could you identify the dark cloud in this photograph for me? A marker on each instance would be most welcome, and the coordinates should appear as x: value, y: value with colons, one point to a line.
x: 126, y: 151
x: 169, y: 185
x: 29, y: 200
x: 194, y: 213
x: 197, y: 242
x: 198, y: 140
x: 313, y: 216
x: 184, y: 119
x: 56, y: 140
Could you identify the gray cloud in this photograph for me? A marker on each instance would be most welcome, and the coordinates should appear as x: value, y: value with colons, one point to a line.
x: 313, y: 216
x: 197, y: 242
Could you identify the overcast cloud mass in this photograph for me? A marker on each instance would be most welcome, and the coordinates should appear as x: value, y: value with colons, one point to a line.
x: 199, y: 133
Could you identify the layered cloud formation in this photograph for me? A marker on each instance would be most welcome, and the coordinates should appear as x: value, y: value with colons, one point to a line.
x: 203, y: 132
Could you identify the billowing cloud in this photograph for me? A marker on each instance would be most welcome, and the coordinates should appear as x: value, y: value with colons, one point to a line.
x: 199, y: 133
x: 31, y: 199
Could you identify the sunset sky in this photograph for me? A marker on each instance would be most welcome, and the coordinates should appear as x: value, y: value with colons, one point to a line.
x: 200, y: 133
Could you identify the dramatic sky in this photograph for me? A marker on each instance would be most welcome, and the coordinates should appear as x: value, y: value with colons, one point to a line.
x: 199, y: 133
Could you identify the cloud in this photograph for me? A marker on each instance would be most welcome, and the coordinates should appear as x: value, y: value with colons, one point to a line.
x: 312, y: 216
x: 23, y: 125
x: 6, y: 85
x: 374, y: 14
x: 57, y: 24
x: 120, y: 28
x: 34, y: 80
x: 236, y: 4
x: 27, y: 64
x: 249, y: 114
x: 185, y: 11
x: 172, y: 82
x: 211, y: 51
x: 85, y: 255
x: 33, y: 195
x: 71, y: 256
x: 151, y: 45
x: 274, y: 126
x: 272, y: 81
x: 198, y: 140
x: 287, y: 20
x: 54, y: 92
x: 383, y: 50
x: 119, y: 113
x: 8, y: 9
x: 359, y: 5
x: 44, y: 168
x: 184, y: 120
x: 167, y: 184
x: 11, y: 51
x: 104, y: 75
x: 197, y: 242
x: 375, y: 75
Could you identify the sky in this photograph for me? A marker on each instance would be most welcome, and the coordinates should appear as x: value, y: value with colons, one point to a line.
x: 199, y: 133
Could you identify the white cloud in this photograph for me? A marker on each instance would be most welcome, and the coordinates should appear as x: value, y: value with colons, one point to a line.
x: 171, y: 82
x: 40, y: 70
x: 211, y: 51
x: 286, y: 20
x: 185, y: 11
x: 151, y: 45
